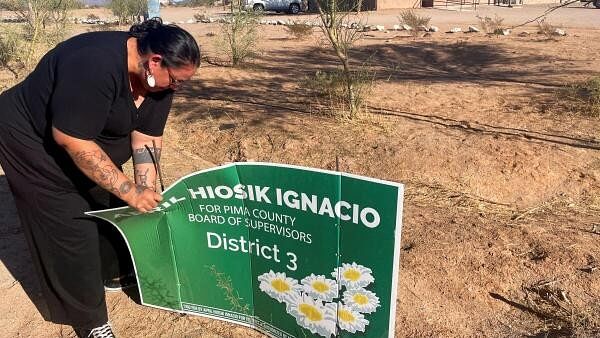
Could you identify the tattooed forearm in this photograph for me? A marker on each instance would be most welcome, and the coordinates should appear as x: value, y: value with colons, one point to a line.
x: 125, y: 187
x: 142, y: 178
x: 146, y: 155
x: 98, y: 167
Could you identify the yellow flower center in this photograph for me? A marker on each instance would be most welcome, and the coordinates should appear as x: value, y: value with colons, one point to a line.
x: 280, y: 285
x: 320, y: 286
x: 360, y: 299
x: 352, y: 275
x: 311, y: 312
x: 346, y: 316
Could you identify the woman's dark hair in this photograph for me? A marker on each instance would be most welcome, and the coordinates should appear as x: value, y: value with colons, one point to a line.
x: 176, y: 46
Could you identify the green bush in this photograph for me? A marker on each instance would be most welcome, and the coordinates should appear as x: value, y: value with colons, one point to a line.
x: 10, y: 51
x: 128, y: 11
x: 239, y: 37
x: 45, y: 23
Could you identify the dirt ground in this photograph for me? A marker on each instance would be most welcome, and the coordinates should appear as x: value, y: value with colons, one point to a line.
x: 501, y: 229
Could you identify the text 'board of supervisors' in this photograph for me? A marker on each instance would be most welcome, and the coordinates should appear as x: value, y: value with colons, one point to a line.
x: 290, y: 251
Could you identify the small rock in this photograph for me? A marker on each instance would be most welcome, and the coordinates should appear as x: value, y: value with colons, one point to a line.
x: 407, y: 27
x: 211, y: 20
x: 380, y: 28
x: 455, y: 30
x: 422, y: 28
x: 559, y: 32
x: 433, y: 29
x: 473, y: 29
x: 191, y: 21
x: 280, y: 22
x: 397, y: 27
x: 354, y: 25
x: 524, y: 34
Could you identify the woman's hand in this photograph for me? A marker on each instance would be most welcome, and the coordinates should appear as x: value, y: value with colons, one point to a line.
x: 142, y: 198
x: 96, y: 165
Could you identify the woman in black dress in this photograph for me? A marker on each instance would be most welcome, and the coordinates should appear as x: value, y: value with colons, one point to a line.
x: 93, y: 102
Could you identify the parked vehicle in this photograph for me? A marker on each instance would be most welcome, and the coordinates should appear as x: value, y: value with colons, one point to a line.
x: 596, y: 3
x: 290, y: 6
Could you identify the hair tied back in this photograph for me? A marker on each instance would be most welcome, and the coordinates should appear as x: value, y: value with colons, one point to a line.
x: 143, y: 28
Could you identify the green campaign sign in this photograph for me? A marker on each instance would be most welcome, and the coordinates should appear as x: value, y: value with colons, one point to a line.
x: 290, y: 251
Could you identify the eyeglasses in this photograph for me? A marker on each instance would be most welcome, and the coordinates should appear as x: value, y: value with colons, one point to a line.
x: 173, y: 82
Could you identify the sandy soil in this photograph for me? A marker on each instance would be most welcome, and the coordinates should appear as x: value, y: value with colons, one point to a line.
x: 502, y: 212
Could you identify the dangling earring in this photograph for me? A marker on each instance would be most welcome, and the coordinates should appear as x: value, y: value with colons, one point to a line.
x: 150, y: 80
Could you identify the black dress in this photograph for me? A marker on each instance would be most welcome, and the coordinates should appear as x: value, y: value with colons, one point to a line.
x: 81, y: 87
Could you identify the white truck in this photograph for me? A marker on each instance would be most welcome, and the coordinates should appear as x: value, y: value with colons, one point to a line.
x: 289, y: 6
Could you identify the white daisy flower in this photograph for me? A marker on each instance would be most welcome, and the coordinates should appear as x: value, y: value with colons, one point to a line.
x: 320, y: 287
x: 361, y: 300
x: 351, y: 320
x: 353, y: 276
x: 311, y: 314
x: 277, y: 285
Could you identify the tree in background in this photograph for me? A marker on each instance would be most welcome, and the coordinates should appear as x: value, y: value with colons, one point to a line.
x: 128, y: 11
x: 45, y: 24
x: 342, y: 34
x: 239, y: 34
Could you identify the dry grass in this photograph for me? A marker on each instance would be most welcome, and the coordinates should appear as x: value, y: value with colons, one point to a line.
x: 491, y: 25
x: 409, y: 17
x: 298, y: 30
x: 584, y: 97
x: 559, y: 313
x: 547, y: 29
x: 329, y: 90
x: 9, y: 50
x: 201, y: 16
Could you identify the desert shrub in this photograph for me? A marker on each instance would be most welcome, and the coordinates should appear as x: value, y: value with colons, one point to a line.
x: 239, y: 37
x: 298, y: 30
x: 10, y: 53
x: 195, y: 3
x: 547, y: 29
x: 491, y: 26
x: 201, y: 16
x: 128, y: 11
x: 340, y: 30
x: 329, y: 90
x: 92, y: 17
x: 45, y: 25
x: 103, y: 27
x: 583, y: 97
x: 409, y: 17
